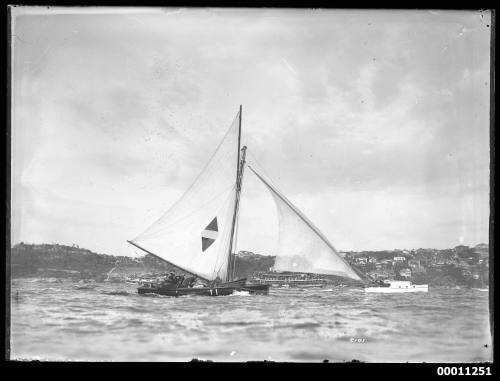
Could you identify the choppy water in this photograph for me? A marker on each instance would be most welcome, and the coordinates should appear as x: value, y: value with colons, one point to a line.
x: 111, y: 322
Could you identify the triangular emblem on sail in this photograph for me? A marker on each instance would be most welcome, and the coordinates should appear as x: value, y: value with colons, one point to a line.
x: 175, y: 237
x: 209, y: 235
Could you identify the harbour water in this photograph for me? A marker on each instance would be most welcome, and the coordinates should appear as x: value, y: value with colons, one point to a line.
x: 61, y: 320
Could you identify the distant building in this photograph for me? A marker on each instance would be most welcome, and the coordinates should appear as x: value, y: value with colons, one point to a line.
x: 380, y: 274
x: 466, y: 272
x: 399, y: 258
x: 362, y: 260
x: 406, y: 272
x: 472, y: 260
x: 482, y: 250
x: 414, y: 263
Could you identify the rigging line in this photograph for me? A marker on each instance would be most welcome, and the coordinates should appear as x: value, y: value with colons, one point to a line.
x: 225, y: 238
x: 239, y: 187
x: 235, y: 246
x: 203, y: 170
x: 276, y: 186
x: 263, y: 170
x: 304, y: 219
x: 148, y: 234
x: 239, y: 169
x: 237, y: 229
x: 225, y: 246
x: 178, y: 203
x: 163, y: 259
x: 192, y: 192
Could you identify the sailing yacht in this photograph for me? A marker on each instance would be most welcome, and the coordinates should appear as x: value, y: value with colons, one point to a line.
x: 198, y: 233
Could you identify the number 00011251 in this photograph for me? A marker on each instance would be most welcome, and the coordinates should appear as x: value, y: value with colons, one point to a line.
x: 464, y: 371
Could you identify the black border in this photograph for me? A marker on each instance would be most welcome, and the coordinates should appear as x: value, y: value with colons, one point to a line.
x: 332, y: 370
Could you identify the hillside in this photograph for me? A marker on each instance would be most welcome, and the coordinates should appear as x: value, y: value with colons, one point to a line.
x: 458, y: 266
x: 74, y: 262
x: 52, y: 260
x: 247, y: 263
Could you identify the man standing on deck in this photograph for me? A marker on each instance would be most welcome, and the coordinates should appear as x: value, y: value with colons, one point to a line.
x: 180, y: 280
x: 189, y: 281
x: 216, y: 282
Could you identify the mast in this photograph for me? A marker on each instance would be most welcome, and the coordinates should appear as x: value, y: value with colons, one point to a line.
x: 175, y: 236
x: 239, y: 175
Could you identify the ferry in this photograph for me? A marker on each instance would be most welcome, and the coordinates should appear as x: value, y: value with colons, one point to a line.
x: 397, y: 286
x: 288, y: 279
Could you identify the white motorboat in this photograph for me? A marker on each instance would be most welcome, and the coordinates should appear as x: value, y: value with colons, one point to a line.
x: 397, y: 286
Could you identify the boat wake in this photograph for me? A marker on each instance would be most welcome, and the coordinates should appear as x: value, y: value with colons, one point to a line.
x: 153, y: 295
x: 120, y: 293
x: 84, y: 287
x: 240, y: 293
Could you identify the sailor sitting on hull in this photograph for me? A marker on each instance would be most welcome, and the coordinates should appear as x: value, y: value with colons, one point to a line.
x: 182, y: 281
x: 178, y: 279
x: 198, y: 283
x: 215, y: 283
x: 188, y: 282
x: 169, y: 281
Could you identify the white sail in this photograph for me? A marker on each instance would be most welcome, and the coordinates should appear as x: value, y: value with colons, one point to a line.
x: 302, y: 247
x: 194, y: 234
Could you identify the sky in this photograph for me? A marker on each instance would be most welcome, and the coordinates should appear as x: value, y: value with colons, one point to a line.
x: 374, y: 123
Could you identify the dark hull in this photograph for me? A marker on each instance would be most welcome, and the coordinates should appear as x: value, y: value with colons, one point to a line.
x: 261, y: 289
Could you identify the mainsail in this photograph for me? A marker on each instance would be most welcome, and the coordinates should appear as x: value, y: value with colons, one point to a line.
x: 195, y: 233
x: 302, y: 247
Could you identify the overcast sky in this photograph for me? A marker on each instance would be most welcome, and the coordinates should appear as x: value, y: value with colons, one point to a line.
x: 374, y: 123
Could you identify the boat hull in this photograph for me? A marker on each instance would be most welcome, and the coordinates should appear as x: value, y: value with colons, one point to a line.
x: 259, y: 289
x: 392, y: 290
x: 295, y: 285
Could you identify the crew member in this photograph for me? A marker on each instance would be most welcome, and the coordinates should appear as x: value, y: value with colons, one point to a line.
x: 189, y: 281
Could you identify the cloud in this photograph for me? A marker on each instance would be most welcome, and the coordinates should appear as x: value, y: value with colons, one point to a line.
x: 115, y: 114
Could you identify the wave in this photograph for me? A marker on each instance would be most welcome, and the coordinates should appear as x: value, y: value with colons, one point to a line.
x: 119, y: 293
x: 294, y: 326
x: 135, y: 322
x: 153, y: 295
x: 84, y: 287
x: 131, y: 309
x: 233, y: 324
x: 97, y: 327
x: 49, y: 289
